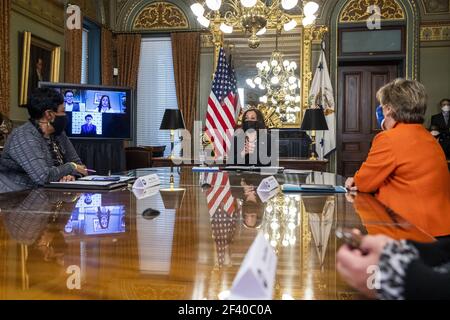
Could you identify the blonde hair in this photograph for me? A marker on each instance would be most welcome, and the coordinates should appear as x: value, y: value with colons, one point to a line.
x: 407, y: 98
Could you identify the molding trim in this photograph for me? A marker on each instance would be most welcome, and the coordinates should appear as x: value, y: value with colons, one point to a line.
x: 160, y: 16
x: 435, y: 32
x: 356, y: 10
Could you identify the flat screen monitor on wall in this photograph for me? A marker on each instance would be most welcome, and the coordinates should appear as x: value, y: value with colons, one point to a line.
x: 96, y: 112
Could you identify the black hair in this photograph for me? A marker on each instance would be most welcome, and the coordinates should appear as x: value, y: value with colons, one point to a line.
x: 88, y: 116
x: 259, y: 117
x: 100, y: 106
x: 445, y: 99
x: 43, y: 99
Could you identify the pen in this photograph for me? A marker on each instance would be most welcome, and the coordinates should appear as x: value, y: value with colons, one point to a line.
x: 90, y: 170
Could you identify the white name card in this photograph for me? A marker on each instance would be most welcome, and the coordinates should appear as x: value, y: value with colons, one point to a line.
x: 256, y: 277
x: 145, y: 182
x: 268, y: 184
x: 145, y: 193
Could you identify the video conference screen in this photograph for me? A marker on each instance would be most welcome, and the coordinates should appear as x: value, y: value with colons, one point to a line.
x: 92, y: 217
x: 96, y: 112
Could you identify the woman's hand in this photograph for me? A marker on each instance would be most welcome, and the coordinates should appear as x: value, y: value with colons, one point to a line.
x: 67, y: 179
x: 80, y: 168
x: 358, y: 270
x: 350, y: 184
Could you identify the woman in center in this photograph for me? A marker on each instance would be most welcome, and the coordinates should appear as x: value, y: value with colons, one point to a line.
x: 251, y: 143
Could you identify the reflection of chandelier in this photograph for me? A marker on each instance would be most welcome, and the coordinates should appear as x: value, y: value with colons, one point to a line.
x: 278, y: 78
x: 252, y: 16
x: 281, y: 220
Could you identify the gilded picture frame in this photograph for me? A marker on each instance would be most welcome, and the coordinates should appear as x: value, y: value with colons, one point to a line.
x: 40, y: 61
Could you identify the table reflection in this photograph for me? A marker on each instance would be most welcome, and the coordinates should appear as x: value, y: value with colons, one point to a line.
x: 63, y: 245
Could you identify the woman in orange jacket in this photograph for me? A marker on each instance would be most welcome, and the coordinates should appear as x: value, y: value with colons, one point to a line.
x: 406, y: 167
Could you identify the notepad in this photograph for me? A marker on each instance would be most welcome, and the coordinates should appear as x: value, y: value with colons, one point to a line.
x: 205, y: 169
x: 88, y: 183
x: 312, y: 188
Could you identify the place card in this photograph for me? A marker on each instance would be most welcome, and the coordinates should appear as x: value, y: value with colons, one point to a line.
x: 146, y: 193
x: 147, y: 181
x: 268, y: 184
x: 256, y: 277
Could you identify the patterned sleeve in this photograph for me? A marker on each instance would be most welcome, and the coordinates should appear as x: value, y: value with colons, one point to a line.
x: 393, y: 264
x: 70, y: 153
x: 26, y: 151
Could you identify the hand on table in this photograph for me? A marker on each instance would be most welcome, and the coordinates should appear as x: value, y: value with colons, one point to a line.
x: 350, y: 184
x: 356, y: 268
x: 67, y: 179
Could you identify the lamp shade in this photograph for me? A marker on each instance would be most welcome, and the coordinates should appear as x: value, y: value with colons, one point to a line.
x: 172, y: 120
x: 314, y: 120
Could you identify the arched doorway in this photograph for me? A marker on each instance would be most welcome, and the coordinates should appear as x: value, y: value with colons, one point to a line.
x: 370, y: 46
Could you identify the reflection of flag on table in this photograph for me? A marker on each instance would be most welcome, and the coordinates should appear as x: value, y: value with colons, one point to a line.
x: 222, y: 107
x: 220, y: 193
x: 321, y: 224
x: 221, y: 209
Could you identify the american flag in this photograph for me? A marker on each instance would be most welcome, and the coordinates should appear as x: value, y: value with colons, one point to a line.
x: 223, y: 105
x: 221, y: 207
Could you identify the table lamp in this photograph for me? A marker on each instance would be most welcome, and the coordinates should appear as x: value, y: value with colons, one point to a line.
x: 313, y: 121
x: 172, y: 120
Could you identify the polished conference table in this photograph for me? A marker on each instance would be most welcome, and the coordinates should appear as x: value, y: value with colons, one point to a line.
x: 185, y: 239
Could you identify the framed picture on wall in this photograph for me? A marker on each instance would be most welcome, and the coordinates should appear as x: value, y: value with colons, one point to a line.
x: 40, y: 62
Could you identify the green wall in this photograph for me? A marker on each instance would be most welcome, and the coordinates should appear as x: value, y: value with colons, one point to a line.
x: 435, y: 75
x: 19, y: 24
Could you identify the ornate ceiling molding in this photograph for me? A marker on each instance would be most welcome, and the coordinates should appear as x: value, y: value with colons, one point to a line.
x: 356, y: 10
x: 160, y: 16
x: 437, y: 32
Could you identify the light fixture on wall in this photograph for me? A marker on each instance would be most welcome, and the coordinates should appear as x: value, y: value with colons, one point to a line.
x: 252, y: 16
x: 278, y: 78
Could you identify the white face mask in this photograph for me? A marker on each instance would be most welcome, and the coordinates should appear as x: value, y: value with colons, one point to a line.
x: 435, y: 133
x: 446, y: 108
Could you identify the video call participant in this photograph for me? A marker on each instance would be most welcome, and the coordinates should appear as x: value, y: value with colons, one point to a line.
x: 70, y: 106
x: 105, y: 104
x: 406, y: 166
x: 39, y: 151
x: 246, y: 142
x: 103, y: 215
x: 88, y: 129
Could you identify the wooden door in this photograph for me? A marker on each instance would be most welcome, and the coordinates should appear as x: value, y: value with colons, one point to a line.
x: 357, y: 123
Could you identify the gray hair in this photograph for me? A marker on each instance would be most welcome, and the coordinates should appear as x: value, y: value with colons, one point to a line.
x: 407, y: 98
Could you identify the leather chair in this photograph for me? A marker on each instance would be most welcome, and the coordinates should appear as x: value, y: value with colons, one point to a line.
x: 142, y: 157
x: 138, y: 157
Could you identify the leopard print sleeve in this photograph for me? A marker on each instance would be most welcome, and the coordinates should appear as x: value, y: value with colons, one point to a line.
x: 394, y: 261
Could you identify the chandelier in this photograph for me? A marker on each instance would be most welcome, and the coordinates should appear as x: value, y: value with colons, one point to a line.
x: 278, y: 78
x: 252, y: 16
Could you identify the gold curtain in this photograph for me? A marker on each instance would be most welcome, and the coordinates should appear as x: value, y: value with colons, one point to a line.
x: 5, y: 14
x: 128, y: 54
x: 73, y: 58
x: 107, y: 57
x: 186, y: 63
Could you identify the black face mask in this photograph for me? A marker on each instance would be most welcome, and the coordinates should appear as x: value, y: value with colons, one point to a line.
x: 59, y: 124
x: 250, y: 125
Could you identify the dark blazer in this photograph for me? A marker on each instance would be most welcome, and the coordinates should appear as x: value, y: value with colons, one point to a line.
x: 86, y: 131
x: 75, y: 107
x: 249, y: 160
x: 439, y: 121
